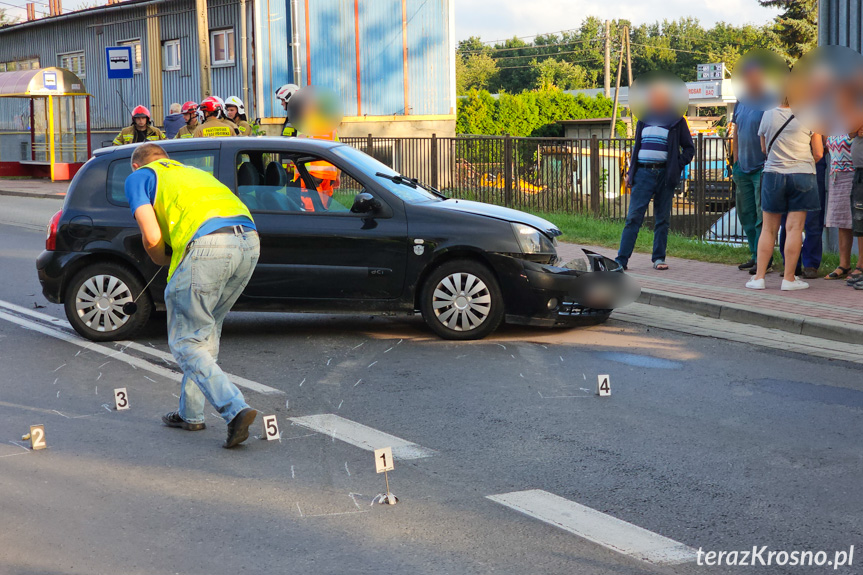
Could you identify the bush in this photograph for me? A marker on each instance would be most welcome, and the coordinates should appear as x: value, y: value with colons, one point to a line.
x: 534, y: 113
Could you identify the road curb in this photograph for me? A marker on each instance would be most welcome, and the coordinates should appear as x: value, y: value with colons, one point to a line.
x: 762, y: 317
x: 53, y: 196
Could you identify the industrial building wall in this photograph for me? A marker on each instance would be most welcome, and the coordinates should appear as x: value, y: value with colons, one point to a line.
x: 841, y: 23
x: 113, y: 100
x: 385, y: 57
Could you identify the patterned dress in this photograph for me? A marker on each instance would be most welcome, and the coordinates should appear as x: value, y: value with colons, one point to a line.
x: 841, y: 177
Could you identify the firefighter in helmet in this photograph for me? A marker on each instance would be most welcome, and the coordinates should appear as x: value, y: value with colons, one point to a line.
x: 284, y: 94
x: 235, y: 111
x: 214, y: 125
x: 190, y: 114
x: 141, y: 129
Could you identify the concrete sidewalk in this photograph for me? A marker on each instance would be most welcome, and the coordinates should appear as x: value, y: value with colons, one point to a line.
x: 828, y: 309
x: 33, y: 188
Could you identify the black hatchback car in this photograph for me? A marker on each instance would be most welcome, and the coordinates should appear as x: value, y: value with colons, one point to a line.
x: 378, y: 243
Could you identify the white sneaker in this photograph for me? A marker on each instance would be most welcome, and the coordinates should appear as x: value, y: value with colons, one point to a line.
x: 795, y: 285
x: 755, y: 284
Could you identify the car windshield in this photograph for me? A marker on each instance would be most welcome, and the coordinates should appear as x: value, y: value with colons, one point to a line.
x: 407, y: 190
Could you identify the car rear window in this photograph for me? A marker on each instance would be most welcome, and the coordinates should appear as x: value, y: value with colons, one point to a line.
x: 120, y: 169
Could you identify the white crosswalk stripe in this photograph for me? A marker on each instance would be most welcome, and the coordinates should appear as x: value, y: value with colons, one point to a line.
x: 605, y: 530
x: 361, y: 436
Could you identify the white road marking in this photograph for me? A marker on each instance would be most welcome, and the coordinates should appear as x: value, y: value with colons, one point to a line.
x: 605, y: 530
x: 361, y: 436
x: 131, y: 360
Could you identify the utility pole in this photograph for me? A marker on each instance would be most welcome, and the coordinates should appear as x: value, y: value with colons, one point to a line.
x: 628, y: 57
x: 204, y: 48
x: 617, y: 85
x: 607, y: 74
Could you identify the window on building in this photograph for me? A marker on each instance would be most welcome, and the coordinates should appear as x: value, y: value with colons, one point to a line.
x: 15, y: 65
x: 74, y: 62
x: 222, y: 47
x: 171, y: 54
x: 137, y: 55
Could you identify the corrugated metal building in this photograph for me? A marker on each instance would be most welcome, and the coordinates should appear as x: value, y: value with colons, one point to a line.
x: 392, y: 61
x: 840, y: 22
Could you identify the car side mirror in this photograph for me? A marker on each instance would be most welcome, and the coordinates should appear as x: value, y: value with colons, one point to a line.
x: 365, y: 203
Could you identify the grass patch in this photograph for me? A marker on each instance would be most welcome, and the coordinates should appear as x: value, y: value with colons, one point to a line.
x: 583, y: 229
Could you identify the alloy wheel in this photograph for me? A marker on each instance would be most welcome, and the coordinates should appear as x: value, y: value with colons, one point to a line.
x: 461, y: 301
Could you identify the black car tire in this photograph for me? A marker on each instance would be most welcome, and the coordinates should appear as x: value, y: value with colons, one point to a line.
x: 481, y: 297
x: 103, y: 327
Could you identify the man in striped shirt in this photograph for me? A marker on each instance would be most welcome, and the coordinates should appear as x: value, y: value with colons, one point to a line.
x: 663, y: 148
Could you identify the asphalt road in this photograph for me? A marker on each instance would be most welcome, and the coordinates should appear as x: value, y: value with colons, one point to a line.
x: 713, y: 444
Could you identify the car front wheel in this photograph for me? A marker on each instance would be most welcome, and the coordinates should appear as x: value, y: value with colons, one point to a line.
x: 94, y: 302
x: 461, y: 300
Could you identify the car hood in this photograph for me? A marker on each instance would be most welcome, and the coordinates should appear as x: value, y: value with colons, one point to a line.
x: 500, y: 213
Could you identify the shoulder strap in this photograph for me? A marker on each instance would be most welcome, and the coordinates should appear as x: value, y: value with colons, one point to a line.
x: 779, y: 131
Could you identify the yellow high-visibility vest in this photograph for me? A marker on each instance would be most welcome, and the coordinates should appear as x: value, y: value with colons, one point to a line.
x: 186, y: 197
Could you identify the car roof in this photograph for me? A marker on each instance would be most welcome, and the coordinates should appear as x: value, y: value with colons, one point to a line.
x: 307, y: 145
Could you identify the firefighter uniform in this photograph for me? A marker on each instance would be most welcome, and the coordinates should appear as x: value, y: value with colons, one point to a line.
x: 214, y: 127
x: 187, y: 131
x: 288, y: 130
x: 131, y: 135
x: 244, y: 128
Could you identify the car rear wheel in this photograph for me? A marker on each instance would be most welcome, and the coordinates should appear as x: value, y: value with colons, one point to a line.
x: 94, y: 302
x: 461, y: 300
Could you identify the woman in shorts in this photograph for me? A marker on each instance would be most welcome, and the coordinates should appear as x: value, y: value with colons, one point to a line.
x: 788, y: 187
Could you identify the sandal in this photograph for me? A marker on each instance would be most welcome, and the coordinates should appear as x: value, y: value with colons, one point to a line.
x: 838, y: 276
x: 855, y: 278
x: 660, y: 265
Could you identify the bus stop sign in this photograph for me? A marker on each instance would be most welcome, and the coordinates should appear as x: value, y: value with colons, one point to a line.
x: 119, y: 60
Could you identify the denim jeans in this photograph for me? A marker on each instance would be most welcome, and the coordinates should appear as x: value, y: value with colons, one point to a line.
x: 648, y: 183
x: 748, y: 203
x: 201, y: 292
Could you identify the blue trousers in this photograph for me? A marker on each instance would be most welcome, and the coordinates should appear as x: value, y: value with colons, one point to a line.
x: 648, y: 184
x: 812, y: 250
x: 200, y: 294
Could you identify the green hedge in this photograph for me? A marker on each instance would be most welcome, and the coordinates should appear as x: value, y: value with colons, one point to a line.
x: 533, y: 113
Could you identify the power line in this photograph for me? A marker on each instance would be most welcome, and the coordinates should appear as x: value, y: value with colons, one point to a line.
x: 535, y: 55
x: 540, y: 61
x: 528, y: 47
x: 529, y: 36
x: 671, y: 49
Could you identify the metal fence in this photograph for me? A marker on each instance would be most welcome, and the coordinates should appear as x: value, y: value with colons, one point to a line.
x: 586, y: 176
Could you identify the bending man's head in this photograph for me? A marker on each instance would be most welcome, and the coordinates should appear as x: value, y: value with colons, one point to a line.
x: 146, y: 153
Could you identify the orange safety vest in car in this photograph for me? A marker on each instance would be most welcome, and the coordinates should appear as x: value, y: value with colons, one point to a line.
x: 322, y: 170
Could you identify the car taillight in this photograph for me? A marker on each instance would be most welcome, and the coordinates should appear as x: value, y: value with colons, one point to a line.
x: 51, y: 239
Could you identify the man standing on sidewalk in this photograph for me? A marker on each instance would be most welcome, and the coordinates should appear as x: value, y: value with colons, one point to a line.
x: 214, y: 250
x: 749, y: 158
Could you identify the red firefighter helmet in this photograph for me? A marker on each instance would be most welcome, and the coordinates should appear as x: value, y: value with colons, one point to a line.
x: 141, y: 111
x: 189, y: 107
x: 210, y: 105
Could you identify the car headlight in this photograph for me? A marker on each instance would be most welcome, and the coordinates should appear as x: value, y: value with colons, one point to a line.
x: 532, y: 241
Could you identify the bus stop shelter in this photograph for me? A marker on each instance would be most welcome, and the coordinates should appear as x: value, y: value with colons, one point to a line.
x: 53, y: 139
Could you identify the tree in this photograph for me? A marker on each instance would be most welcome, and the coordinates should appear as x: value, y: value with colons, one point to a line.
x: 474, y: 72
x: 6, y: 19
x: 796, y: 28
x: 553, y: 73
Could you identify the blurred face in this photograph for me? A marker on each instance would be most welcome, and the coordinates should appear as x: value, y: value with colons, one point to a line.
x: 659, y: 100
x: 231, y: 112
x: 753, y: 78
x: 140, y: 122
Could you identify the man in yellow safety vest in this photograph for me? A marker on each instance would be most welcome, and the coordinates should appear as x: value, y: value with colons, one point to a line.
x: 214, y: 250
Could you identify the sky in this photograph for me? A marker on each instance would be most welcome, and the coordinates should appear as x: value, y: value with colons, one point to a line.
x: 500, y: 19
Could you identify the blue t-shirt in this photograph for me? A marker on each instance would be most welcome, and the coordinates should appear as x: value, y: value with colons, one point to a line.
x: 749, y: 158
x: 141, y: 190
